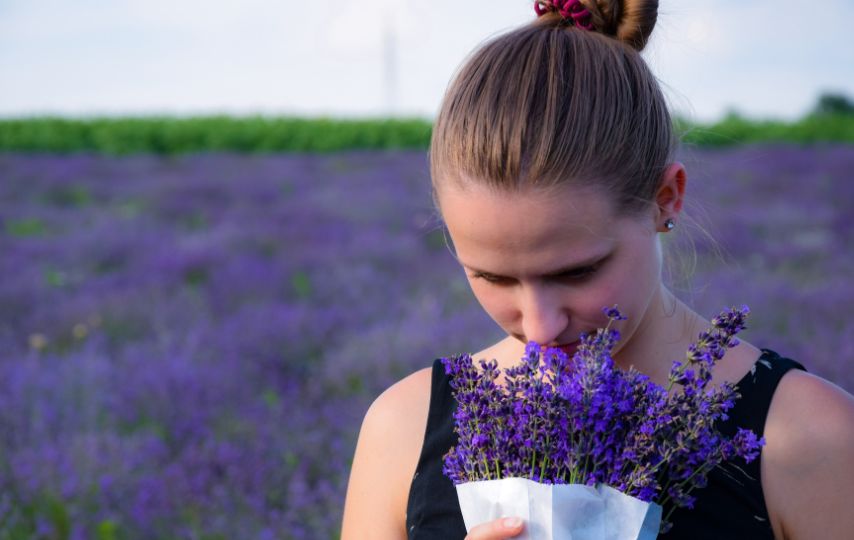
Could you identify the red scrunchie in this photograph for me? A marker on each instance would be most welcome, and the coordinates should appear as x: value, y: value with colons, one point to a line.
x: 573, y: 9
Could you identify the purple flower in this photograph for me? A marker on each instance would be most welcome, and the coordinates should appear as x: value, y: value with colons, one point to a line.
x: 583, y: 420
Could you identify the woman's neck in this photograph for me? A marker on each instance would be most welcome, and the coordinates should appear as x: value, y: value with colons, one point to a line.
x: 668, y: 328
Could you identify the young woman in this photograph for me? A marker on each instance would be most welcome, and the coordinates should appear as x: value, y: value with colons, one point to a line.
x: 552, y: 162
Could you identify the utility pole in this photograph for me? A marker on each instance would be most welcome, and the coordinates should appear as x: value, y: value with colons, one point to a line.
x: 389, y: 61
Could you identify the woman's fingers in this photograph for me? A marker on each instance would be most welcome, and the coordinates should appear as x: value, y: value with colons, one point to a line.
x: 498, y: 529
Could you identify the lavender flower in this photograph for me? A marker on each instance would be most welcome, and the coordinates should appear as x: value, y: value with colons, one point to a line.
x: 582, y: 420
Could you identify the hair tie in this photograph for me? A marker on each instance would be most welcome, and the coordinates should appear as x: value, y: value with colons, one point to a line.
x: 569, y: 10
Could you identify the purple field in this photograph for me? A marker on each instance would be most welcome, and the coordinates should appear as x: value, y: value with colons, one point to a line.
x: 188, y: 344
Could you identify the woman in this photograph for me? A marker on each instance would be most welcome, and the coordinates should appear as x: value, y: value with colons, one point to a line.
x: 552, y: 161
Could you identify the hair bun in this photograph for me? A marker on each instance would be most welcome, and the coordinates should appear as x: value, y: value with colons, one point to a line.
x: 629, y: 21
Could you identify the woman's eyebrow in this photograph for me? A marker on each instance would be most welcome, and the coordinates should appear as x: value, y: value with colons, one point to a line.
x: 580, y: 265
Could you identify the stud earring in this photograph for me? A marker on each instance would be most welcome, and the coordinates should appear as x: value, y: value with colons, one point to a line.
x: 669, y: 224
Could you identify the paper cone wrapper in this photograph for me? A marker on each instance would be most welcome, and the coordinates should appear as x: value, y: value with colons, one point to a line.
x: 560, y: 512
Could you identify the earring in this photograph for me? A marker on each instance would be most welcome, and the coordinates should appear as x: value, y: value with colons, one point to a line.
x: 669, y: 224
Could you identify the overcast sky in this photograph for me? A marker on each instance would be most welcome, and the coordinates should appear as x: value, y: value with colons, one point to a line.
x: 765, y: 58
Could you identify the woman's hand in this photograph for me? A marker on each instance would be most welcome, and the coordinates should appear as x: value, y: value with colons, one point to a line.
x: 498, y: 529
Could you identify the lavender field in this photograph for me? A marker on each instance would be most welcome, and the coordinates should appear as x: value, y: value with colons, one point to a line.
x: 188, y: 344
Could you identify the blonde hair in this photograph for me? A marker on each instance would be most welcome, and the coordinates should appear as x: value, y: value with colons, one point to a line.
x: 549, y: 104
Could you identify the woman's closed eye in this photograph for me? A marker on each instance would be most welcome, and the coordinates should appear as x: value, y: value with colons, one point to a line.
x: 578, y: 274
x: 489, y: 277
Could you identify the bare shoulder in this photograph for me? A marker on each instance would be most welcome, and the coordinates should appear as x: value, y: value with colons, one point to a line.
x: 822, y: 412
x: 808, y: 461
x: 408, y: 396
x: 387, y: 452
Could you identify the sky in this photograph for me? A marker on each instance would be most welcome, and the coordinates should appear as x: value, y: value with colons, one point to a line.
x: 367, y: 58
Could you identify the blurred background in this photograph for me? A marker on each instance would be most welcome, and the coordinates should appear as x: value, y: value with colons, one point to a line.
x: 218, y: 246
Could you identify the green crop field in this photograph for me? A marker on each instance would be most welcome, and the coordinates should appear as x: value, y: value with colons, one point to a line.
x: 257, y: 134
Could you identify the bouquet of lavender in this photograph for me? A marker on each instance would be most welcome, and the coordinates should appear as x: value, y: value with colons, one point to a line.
x: 583, y: 449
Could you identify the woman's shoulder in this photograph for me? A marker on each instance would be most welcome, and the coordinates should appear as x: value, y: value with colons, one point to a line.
x: 807, y: 411
x: 822, y: 411
x: 400, y: 412
x: 808, y: 460
x: 397, y: 419
x: 386, y: 456
x: 410, y: 395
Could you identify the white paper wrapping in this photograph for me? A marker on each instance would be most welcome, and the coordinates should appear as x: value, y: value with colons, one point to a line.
x: 560, y: 512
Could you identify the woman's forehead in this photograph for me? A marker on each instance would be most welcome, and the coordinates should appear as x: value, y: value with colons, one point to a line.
x: 481, y: 210
x: 490, y: 227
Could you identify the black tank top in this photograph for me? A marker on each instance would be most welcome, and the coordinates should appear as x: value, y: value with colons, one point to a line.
x: 731, y: 506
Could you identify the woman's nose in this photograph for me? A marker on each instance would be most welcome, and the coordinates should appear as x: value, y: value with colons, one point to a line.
x: 543, y: 319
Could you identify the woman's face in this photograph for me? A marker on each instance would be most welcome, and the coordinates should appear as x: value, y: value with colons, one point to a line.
x: 544, y: 264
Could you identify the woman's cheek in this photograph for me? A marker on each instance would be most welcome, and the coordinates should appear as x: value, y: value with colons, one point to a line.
x: 604, y: 294
x: 494, y: 300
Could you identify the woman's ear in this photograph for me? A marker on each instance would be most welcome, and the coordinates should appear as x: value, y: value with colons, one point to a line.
x: 670, y: 195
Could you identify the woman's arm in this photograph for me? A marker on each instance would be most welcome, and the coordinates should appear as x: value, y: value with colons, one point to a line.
x: 808, y: 462
x: 385, y: 459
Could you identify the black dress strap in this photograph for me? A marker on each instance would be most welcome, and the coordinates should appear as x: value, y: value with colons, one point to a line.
x: 757, y: 388
x: 433, y: 510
